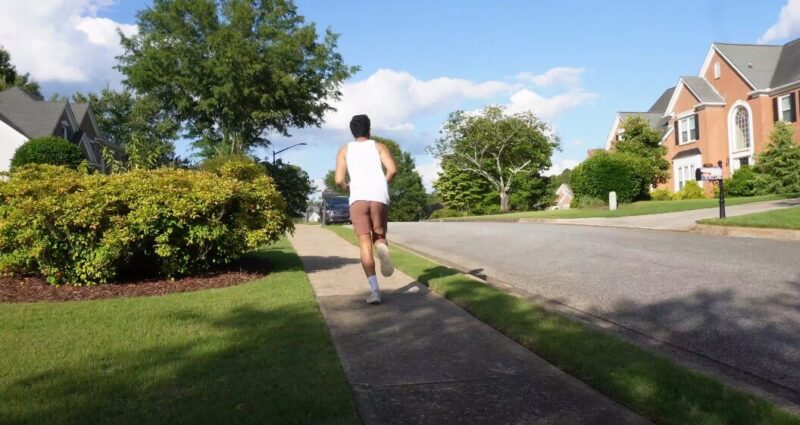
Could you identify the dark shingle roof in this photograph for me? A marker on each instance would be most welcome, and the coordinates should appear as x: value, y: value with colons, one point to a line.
x: 79, y: 110
x: 788, y: 68
x: 703, y: 90
x: 653, y: 118
x: 756, y: 62
x: 663, y: 101
x: 34, y: 118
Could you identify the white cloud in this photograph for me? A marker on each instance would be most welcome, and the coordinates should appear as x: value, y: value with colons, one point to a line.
x: 788, y: 24
x: 559, y: 167
x: 62, y: 40
x: 548, y: 107
x: 570, y: 77
x: 429, y: 173
x: 395, y: 99
x: 577, y: 142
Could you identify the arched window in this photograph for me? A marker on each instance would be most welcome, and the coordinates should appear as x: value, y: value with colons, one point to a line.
x: 742, y: 129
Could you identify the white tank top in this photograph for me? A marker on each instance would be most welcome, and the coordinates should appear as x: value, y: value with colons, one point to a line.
x: 367, y: 181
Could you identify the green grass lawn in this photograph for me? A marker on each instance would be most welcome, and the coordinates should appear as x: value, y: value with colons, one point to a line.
x: 635, y: 208
x: 787, y: 218
x: 649, y: 385
x: 257, y: 353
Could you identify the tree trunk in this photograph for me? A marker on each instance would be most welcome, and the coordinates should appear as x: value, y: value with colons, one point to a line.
x: 503, y: 201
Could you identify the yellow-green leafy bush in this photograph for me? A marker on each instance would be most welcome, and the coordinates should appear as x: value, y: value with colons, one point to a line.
x: 77, y: 228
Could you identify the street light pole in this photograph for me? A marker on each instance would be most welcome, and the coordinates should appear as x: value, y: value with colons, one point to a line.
x: 285, y: 149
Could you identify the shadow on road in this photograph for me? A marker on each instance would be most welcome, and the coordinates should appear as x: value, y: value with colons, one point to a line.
x: 757, y: 335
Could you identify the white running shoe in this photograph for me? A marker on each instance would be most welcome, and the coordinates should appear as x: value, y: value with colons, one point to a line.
x: 382, y: 252
x: 374, y: 297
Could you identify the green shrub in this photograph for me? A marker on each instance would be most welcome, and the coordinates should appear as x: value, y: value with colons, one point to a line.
x: 626, y: 174
x: 48, y: 150
x: 446, y: 213
x: 588, y: 202
x: 743, y: 183
x: 661, y: 195
x: 691, y: 190
x: 76, y: 228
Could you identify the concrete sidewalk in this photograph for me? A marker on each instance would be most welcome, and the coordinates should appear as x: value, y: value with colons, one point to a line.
x: 680, y: 221
x: 419, y: 359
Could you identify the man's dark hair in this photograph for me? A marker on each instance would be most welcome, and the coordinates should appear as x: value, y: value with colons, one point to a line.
x: 359, y: 126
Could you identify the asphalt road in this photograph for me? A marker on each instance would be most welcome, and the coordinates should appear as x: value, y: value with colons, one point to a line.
x: 735, y: 300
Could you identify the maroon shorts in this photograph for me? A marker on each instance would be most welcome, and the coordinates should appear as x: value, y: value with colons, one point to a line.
x: 369, y: 217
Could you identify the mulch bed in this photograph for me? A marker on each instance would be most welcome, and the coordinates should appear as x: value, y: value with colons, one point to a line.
x: 32, y: 289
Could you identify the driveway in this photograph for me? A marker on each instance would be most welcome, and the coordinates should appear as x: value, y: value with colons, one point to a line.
x: 734, y: 300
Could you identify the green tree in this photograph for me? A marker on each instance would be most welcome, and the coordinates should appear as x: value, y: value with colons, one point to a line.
x: 137, y: 124
x: 639, y: 139
x: 531, y: 192
x: 9, y: 77
x: 464, y: 191
x: 778, y: 167
x: 294, y: 185
x: 231, y: 71
x: 497, y: 146
x: 407, y: 195
x: 330, y: 184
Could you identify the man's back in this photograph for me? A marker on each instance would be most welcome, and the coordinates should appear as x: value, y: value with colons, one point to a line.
x: 367, y: 180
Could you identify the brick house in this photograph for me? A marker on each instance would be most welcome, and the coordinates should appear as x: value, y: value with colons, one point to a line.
x: 727, y: 111
x: 24, y: 117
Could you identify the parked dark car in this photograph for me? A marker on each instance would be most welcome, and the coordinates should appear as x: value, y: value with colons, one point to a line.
x: 337, y: 210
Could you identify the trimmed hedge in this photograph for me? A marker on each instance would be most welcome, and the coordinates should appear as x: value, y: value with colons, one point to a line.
x: 626, y: 174
x: 691, y: 190
x: 48, y: 150
x: 79, y: 229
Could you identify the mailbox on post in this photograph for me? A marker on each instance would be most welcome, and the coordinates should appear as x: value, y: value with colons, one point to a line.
x: 714, y: 175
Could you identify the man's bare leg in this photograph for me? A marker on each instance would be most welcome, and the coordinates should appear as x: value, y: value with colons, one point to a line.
x: 382, y: 251
x: 368, y: 264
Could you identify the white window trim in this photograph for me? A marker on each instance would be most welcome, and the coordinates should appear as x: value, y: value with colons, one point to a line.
x: 749, y: 152
x: 683, y: 118
x: 780, y: 106
x: 678, y: 167
x: 717, y: 70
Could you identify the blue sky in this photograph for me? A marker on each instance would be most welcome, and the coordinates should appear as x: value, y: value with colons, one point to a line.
x: 574, y: 63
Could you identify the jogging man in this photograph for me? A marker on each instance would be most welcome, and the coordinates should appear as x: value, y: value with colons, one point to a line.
x: 364, y: 161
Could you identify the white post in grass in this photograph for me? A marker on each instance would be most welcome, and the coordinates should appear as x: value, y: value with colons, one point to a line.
x: 612, y: 201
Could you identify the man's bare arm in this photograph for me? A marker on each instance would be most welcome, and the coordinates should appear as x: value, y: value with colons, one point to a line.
x: 387, y: 161
x: 341, y: 168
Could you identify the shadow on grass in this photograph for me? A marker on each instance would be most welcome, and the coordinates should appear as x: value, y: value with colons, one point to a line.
x: 649, y: 385
x: 231, y: 357
x: 255, y: 366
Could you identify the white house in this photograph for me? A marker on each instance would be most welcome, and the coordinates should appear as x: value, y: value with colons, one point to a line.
x: 24, y: 117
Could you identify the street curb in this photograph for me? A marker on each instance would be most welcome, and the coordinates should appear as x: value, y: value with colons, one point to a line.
x: 748, y: 232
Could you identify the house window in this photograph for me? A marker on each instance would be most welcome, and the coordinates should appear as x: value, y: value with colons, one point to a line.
x: 684, y: 171
x: 620, y: 134
x: 65, y: 133
x: 741, y: 129
x: 786, y: 108
x: 687, y: 129
x: 717, y: 71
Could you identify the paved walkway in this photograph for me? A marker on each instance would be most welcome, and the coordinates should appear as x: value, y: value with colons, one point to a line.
x: 682, y: 220
x: 419, y: 359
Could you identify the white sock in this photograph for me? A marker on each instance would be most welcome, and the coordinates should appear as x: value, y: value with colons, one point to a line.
x: 373, y: 283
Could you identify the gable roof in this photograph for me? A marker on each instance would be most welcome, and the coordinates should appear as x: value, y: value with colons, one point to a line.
x: 660, y: 106
x: 701, y: 88
x: 80, y: 110
x: 757, y: 63
x: 655, y: 119
x: 787, y: 70
x: 32, y: 117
